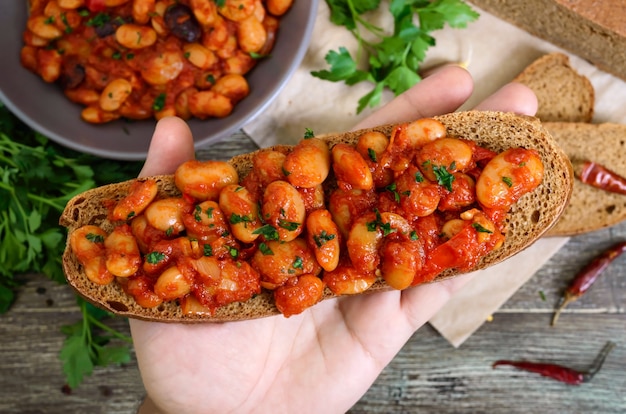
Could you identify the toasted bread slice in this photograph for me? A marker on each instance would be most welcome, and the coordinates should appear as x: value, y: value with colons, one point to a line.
x: 591, y: 208
x: 563, y: 94
x: 530, y: 218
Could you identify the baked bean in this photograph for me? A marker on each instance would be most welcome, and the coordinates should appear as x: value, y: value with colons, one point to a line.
x: 182, y: 103
x: 449, y: 154
x: 217, y: 37
x: 162, y: 67
x: 237, y: 10
x: 268, y: 166
x: 199, y: 55
x: 204, y: 11
x: 483, y: 225
x: 420, y: 132
x: 96, y: 115
x: 241, y: 211
x: 400, y: 262
x: 140, y: 195
x: 418, y: 196
x: 123, y: 258
x: 114, y: 95
x: 277, y: 261
x: 365, y: 237
x: 87, y: 243
x: 134, y: 36
x: 452, y: 227
x: 239, y: 63
x: 142, y: 10
x: 28, y: 58
x: 205, y: 221
x: 278, y: 7
x: 284, y: 209
x: 298, y: 294
x: 372, y: 144
x: 114, y: 3
x: 508, y: 176
x: 71, y: 4
x: 44, y: 27
x: 83, y: 96
x: 141, y: 289
x: 146, y: 235
x: 234, y: 87
x: 203, y: 180
x: 346, y: 280
x: 308, y: 164
x: 49, y: 62
x: 350, y: 168
x: 462, y: 195
x: 206, y: 104
x: 323, y: 238
x: 166, y: 215
x: 251, y: 34
x: 346, y: 206
x: 313, y: 197
x: 172, y: 284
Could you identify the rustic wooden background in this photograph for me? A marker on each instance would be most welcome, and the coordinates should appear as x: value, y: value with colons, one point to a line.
x: 427, y: 376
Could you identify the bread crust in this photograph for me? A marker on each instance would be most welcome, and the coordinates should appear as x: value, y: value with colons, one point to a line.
x: 591, y: 209
x: 530, y: 218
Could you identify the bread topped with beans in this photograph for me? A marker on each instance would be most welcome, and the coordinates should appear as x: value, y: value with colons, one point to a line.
x: 278, y: 230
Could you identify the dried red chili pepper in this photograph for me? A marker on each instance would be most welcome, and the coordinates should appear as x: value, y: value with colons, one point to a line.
x: 587, y: 276
x: 601, y: 177
x: 559, y: 372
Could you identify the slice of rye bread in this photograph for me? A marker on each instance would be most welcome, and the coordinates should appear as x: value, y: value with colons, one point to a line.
x: 563, y: 94
x: 591, y: 208
x: 529, y: 219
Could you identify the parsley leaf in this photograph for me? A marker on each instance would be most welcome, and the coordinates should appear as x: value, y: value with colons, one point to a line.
x: 37, y: 179
x: 394, y: 58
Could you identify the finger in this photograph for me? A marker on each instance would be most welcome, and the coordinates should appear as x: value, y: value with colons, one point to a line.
x: 442, y: 92
x: 171, y: 145
x: 512, y: 97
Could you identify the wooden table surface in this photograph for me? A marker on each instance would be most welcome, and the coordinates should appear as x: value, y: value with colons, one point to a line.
x: 427, y: 376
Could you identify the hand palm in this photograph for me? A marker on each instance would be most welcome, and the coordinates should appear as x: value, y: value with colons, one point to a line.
x: 323, y: 359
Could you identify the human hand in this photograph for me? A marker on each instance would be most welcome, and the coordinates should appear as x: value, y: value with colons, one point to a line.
x: 324, y: 359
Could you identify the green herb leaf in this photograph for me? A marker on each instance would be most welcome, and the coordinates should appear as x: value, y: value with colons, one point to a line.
x: 393, y: 58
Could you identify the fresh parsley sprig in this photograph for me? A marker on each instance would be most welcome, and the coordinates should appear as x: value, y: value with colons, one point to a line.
x: 37, y: 179
x: 393, y: 59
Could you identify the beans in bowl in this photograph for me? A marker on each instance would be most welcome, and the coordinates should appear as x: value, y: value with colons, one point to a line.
x: 141, y: 59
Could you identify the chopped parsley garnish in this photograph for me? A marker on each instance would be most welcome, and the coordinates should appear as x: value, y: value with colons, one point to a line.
x: 308, y: 133
x: 236, y: 219
x: 385, y: 227
x: 288, y: 225
x: 508, y: 181
x: 98, y: 20
x: 209, y: 212
x: 234, y: 253
x: 159, y: 102
x: 479, y: 228
x: 392, y: 189
x: 372, y: 154
x: 322, y: 238
x: 95, y: 238
x: 197, y: 213
x: 169, y: 231
x: 154, y: 257
x: 264, y: 248
x: 419, y: 178
x: 208, y: 250
x: 267, y: 231
x: 297, y: 263
x: 414, y: 235
x: 444, y: 178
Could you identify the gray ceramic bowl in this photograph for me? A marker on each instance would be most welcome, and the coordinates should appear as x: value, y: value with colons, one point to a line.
x: 45, y: 108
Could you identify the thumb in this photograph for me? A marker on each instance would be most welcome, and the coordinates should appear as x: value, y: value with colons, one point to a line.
x: 171, y: 145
